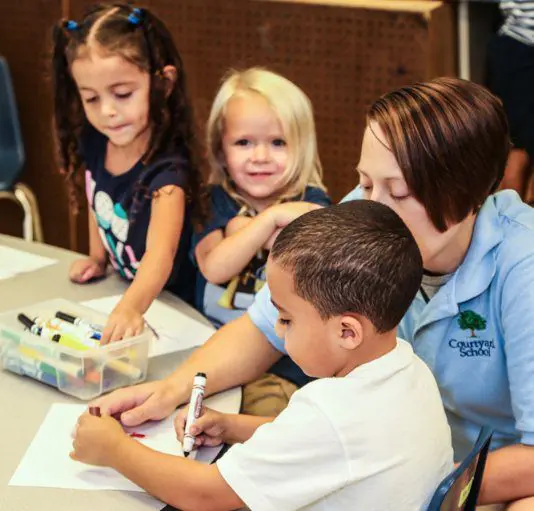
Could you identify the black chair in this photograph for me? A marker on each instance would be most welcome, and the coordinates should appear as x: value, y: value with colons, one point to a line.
x: 459, y: 490
x: 12, y: 159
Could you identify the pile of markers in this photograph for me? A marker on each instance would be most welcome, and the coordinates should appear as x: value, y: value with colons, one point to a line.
x: 64, y: 368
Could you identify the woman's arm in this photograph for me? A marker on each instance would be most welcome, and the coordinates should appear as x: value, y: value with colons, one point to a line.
x: 509, y: 475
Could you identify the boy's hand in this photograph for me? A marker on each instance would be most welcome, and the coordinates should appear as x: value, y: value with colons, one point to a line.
x: 210, y: 428
x: 284, y: 214
x: 122, y: 322
x: 84, y: 270
x: 97, y: 440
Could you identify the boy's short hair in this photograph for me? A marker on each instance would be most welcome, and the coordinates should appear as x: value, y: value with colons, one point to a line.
x: 450, y: 138
x: 357, y: 257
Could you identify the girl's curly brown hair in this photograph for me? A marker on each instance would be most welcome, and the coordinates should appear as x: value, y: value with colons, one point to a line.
x: 141, y: 38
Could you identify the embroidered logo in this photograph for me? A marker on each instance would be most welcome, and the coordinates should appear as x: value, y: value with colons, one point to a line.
x: 470, y: 320
x: 472, y: 346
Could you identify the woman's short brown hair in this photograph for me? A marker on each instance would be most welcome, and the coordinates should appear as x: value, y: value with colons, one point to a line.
x: 450, y: 138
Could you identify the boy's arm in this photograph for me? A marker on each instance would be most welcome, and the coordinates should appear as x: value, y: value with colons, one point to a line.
x: 185, y: 484
x: 215, y: 428
x: 242, y: 427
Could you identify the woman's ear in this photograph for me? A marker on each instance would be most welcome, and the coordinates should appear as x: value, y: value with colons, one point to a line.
x: 169, y: 74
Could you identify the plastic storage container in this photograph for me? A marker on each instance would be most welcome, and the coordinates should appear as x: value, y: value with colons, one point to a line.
x: 83, y: 374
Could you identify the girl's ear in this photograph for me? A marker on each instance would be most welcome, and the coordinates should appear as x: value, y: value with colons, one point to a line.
x: 169, y: 74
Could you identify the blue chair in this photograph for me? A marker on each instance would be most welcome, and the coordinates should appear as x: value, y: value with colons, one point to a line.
x: 459, y: 491
x: 12, y: 159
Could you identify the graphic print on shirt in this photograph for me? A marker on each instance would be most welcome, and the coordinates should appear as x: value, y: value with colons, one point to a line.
x: 235, y: 297
x: 474, y: 341
x: 113, y: 227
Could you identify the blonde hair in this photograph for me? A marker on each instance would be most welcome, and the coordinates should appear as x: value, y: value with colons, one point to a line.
x: 295, y: 113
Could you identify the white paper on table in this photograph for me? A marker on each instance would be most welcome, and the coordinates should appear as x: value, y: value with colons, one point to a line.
x: 47, y: 462
x: 13, y: 262
x: 177, y: 331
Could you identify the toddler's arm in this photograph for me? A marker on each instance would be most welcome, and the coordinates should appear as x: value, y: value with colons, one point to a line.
x: 222, y: 256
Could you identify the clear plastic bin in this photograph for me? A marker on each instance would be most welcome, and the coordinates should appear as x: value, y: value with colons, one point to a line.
x: 83, y: 374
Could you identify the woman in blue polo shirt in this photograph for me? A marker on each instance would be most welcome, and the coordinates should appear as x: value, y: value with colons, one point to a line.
x: 435, y: 153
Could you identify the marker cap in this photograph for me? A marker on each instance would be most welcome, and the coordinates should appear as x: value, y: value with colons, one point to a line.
x: 65, y: 317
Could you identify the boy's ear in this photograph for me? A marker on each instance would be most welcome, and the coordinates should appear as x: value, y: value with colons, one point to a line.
x: 350, y: 332
x: 170, y: 75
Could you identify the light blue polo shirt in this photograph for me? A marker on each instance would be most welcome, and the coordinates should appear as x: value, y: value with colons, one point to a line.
x: 477, y: 333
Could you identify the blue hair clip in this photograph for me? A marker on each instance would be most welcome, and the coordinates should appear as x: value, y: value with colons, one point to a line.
x: 71, y: 25
x: 135, y: 16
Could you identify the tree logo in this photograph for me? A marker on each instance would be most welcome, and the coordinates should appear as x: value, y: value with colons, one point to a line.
x: 470, y: 320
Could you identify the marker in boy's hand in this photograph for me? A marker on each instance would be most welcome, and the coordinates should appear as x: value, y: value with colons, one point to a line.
x: 209, y: 429
x: 195, y: 408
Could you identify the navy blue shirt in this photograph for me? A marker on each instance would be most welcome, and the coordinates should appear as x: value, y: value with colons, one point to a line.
x: 122, y: 206
x: 223, y: 303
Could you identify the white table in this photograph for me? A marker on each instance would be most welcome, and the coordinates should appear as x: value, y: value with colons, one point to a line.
x: 25, y: 402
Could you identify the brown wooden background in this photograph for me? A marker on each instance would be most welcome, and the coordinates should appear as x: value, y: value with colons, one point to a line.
x: 343, y: 56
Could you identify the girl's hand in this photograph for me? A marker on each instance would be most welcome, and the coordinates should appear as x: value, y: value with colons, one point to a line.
x: 84, y: 270
x: 123, y: 322
x: 270, y: 242
x: 210, y: 428
x: 284, y: 214
x: 97, y: 440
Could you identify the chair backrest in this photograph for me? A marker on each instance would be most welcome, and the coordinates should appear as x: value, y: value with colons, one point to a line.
x: 11, y: 146
x: 459, y: 490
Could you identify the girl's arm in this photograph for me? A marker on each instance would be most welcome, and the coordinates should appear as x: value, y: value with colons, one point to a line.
x: 97, y: 251
x: 236, y: 224
x: 164, y: 231
x: 86, y: 269
x: 220, y: 258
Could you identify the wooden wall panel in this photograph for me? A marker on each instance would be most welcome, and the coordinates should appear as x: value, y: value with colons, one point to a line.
x: 24, y: 42
x: 344, y: 54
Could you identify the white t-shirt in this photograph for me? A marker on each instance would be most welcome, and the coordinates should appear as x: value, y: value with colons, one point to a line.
x: 377, y: 439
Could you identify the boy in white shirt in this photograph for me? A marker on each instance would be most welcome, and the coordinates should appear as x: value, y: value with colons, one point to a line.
x: 369, y: 434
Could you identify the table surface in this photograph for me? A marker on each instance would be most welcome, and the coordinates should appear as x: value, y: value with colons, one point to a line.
x: 25, y: 402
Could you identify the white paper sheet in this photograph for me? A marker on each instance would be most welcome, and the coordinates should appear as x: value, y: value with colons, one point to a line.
x: 13, y: 262
x: 176, y: 330
x: 47, y: 462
